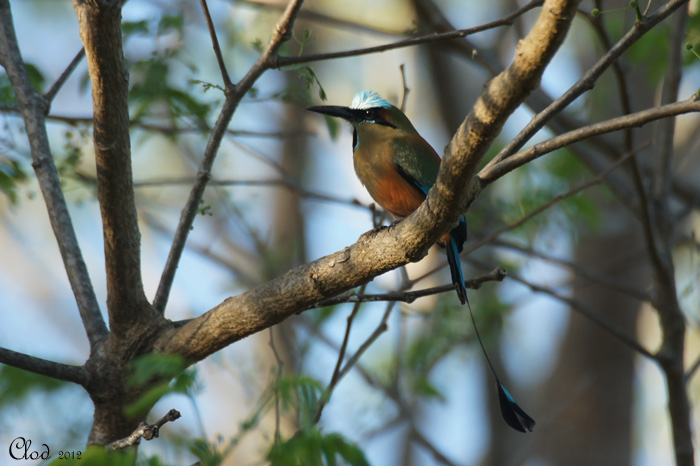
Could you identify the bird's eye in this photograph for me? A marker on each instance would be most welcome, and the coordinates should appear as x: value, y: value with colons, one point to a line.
x: 369, y: 114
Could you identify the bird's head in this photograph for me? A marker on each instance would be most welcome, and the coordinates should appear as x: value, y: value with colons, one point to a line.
x: 370, y: 113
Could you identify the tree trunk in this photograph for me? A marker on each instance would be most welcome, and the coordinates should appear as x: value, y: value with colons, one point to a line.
x: 588, y: 398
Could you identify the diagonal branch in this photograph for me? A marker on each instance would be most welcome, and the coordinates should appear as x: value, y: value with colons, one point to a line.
x: 558, y: 198
x: 56, y: 370
x: 33, y: 109
x: 587, y: 81
x: 282, y: 33
x: 501, y: 96
x: 386, y: 249
x: 592, y: 275
x: 53, y: 90
x: 492, y: 172
x: 215, y: 43
x: 457, y: 34
x: 584, y: 310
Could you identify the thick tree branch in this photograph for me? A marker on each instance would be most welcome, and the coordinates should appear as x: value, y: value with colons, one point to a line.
x: 500, y: 97
x: 409, y: 240
x: 234, y: 94
x: 33, y: 108
x: 56, y: 370
x: 100, y: 31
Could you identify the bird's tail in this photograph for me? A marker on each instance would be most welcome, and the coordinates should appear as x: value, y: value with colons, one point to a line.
x: 513, y: 414
x: 456, y: 270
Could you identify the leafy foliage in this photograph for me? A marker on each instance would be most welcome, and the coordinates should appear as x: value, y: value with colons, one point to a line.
x: 17, y: 384
x: 311, y: 447
x: 11, y: 175
x: 301, y: 394
x: 7, y: 94
x: 159, y: 375
x: 208, y: 454
x: 152, y: 83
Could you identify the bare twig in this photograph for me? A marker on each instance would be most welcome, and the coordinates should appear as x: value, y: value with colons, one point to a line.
x: 595, y: 317
x: 560, y: 197
x: 56, y: 370
x: 405, y: 90
x: 278, y: 374
x: 33, y: 109
x: 335, y: 377
x: 578, y: 269
x: 428, y: 445
x: 659, y: 231
x: 556, y: 199
x: 381, y: 328
x: 692, y: 370
x: 494, y: 171
x: 215, y: 43
x: 284, y: 182
x: 458, y: 34
x: 497, y: 274
x: 282, y: 33
x: 586, y: 82
x: 144, y: 431
x: 51, y: 93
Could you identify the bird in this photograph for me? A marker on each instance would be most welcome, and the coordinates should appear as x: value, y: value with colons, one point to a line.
x: 398, y: 168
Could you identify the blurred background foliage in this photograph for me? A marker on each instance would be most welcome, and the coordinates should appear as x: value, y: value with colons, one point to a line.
x: 284, y: 192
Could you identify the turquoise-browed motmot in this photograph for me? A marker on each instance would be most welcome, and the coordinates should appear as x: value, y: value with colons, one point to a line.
x: 398, y: 168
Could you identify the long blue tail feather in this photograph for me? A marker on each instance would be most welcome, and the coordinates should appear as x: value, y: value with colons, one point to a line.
x: 512, y: 414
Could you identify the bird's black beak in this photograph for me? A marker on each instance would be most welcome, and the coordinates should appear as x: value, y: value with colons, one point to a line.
x: 334, y: 111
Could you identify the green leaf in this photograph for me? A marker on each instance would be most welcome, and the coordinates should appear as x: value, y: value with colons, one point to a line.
x: 301, y: 393
x: 16, y: 384
x: 424, y: 388
x: 35, y: 76
x: 311, y: 447
x: 321, y: 315
x: 130, y: 28
x: 333, y: 126
x: 160, y: 374
x: 207, y: 453
x: 7, y: 94
x: 145, y: 402
x: 650, y: 55
x: 155, y: 366
x: 176, y: 22
x: 11, y: 174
